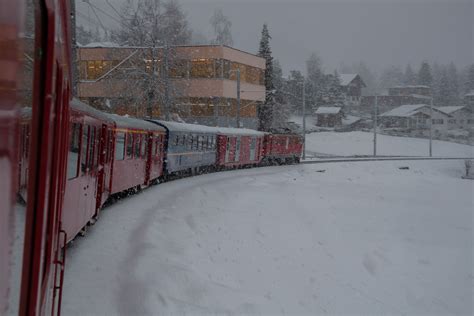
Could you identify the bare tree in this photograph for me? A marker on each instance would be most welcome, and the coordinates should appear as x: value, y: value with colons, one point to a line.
x: 222, y: 28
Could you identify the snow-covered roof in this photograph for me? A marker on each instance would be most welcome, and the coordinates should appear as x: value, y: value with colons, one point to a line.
x: 101, y: 44
x: 195, y: 128
x: 347, y: 78
x: 470, y: 94
x: 328, y: 110
x: 449, y: 109
x: 412, y: 86
x: 130, y: 122
x: 78, y: 105
x: 404, y: 110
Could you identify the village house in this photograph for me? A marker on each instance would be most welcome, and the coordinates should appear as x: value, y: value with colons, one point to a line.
x: 460, y: 116
x: 329, y: 116
x: 351, y: 86
x: 415, y: 116
x: 397, y: 96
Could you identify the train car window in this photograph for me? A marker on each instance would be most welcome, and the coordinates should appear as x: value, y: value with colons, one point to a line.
x: 183, y: 140
x: 153, y: 145
x: 96, y: 148
x: 73, y: 154
x: 91, y: 156
x: 213, y: 142
x: 120, y: 146
x: 190, y: 142
x: 176, y: 140
x: 109, y: 146
x: 129, y: 145
x: 196, y: 142
x: 84, y: 147
x: 137, y: 142
x: 144, y: 142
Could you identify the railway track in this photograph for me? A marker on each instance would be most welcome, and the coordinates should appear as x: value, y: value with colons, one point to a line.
x: 386, y: 158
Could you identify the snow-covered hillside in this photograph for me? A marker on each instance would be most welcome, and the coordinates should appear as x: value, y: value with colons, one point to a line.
x: 347, y: 238
x: 361, y: 143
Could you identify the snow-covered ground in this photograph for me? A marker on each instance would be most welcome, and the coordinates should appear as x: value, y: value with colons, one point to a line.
x: 358, y: 238
x: 361, y: 143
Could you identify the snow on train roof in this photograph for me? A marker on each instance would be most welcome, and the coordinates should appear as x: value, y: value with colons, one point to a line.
x: 130, y: 122
x: 83, y: 107
x: 185, y: 127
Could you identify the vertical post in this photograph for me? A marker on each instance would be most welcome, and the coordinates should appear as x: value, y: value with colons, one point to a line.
x: 151, y: 85
x: 238, y: 98
x: 375, y: 124
x: 167, y: 83
x: 304, y: 120
x: 431, y: 127
x: 74, y: 72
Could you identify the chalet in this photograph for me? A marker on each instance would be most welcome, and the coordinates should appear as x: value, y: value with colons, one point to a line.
x: 460, y: 116
x: 351, y: 85
x: 329, y: 116
x: 415, y: 116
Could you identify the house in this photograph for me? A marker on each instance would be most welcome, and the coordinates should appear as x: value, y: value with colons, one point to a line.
x: 410, y: 90
x: 329, y: 116
x: 460, y: 116
x: 398, y: 96
x: 351, y: 86
x: 415, y: 116
x: 469, y: 100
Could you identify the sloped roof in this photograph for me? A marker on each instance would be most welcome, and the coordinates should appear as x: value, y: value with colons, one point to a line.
x: 470, y: 94
x: 328, y: 110
x: 449, y: 109
x: 347, y: 78
x: 404, y: 110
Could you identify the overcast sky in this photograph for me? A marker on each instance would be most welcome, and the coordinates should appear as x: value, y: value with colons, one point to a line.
x: 379, y: 32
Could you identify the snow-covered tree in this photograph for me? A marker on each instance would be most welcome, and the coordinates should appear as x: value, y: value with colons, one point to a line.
x: 315, y: 83
x: 424, y: 74
x: 333, y: 91
x: 409, y: 77
x: 265, y: 112
x: 84, y: 36
x: 294, y: 90
x: 453, y: 79
x: 391, y: 76
x: 282, y: 108
x: 222, y: 28
x: 469, y: 85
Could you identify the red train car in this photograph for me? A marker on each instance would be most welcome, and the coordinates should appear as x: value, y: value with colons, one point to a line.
x: 238, y: 148
x: 138, y: 153
x: 88, y: 164
x: 282, y: 148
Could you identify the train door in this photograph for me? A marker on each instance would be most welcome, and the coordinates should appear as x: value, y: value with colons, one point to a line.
x: 227, y: 149
x: 103, y: 167
x: 237, y: 149
x: 253, y: 145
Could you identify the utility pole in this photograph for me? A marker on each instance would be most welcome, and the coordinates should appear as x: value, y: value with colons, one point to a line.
x: 375, y: 124
x: 167, y: 82
x: 431, y: 127
x: 304, y: 120
x: 238, y: 97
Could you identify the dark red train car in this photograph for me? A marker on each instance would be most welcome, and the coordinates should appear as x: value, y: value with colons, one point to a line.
x: 282, y: 148
x: 237, y: 148
x: 138, y: 153
x: 88, y: 166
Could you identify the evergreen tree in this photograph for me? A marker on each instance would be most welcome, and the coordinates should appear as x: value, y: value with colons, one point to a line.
x: 424, y: 75
x: 453, y: 78
x: 409, y: 77
x: 295, y: 90
x: 391, y: 77
x: 443, y: 92
x: 470, y: 79
x: 282, y: 109
x: 315, y: 83
x: 222, y: 28
x: 265, y: 114
x: 333, y: 91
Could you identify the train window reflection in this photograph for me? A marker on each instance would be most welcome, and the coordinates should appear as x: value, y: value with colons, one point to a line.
x: 73, y: 155
x: 120, y: 147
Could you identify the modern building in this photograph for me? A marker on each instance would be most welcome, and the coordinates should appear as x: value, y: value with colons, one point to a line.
x: 352, y: 85
x: 196, y: 84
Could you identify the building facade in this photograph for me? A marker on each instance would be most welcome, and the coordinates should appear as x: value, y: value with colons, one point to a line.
x: 329, y: 116
x: 195, y: 84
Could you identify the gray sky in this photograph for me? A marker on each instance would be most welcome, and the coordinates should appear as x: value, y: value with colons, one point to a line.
x: 379, y: 32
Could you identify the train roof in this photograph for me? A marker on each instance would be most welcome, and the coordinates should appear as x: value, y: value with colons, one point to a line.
x: 195, y: 128
x: 130, y: 122
x: 78, y: 105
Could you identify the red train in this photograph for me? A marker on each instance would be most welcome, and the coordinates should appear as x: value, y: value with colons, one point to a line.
x: 65, y: 159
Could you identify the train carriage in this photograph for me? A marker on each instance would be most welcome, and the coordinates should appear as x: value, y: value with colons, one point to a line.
x: 87, y: 165
x: 282, y: 148
x: 190, y: 148
x: 239, y: 147
x: 138, y: 153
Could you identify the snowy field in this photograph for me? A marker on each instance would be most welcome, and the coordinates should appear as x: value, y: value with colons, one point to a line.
x: 359, y: 238
x: 361, y: 143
